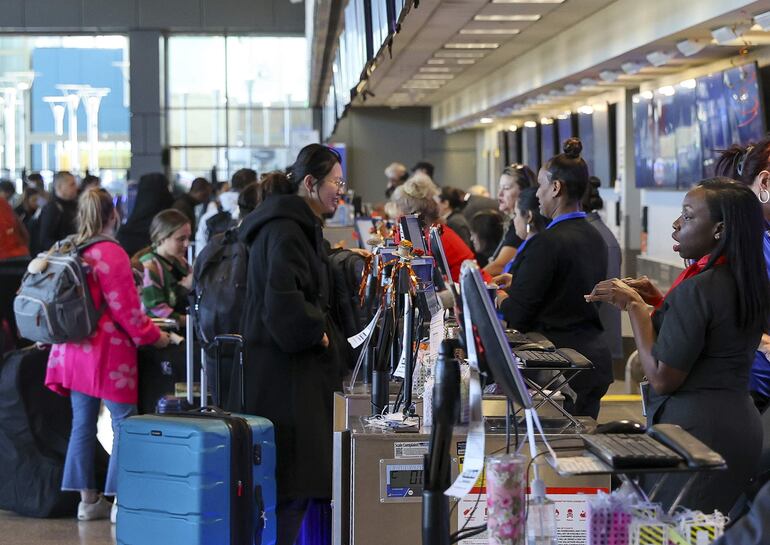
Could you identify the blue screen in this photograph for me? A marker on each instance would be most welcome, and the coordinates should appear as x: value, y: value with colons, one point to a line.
x: 565, y: 129
x: 547, y: 134
x: 644, y: 141
x: 531, y: 151
x: 678, y: 138
x: 586, y: 134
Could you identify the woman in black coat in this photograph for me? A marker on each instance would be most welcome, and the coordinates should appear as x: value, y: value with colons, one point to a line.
x: 293, y: 365
x: 152, y: 196
x: 567, y: 259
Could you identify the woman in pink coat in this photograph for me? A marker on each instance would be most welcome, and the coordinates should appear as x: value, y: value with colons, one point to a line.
x: 102, y: 367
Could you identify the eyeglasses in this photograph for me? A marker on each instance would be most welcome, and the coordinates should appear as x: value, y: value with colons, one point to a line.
x: 340, y: 183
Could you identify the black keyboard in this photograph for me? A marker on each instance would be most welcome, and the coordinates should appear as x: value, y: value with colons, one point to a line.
x: 516, y: 338
x: 631, y: 450
x: 538, y: 358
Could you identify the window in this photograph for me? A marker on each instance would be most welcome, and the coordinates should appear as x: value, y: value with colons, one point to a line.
x: 65, y: 106
x: 235, y: 102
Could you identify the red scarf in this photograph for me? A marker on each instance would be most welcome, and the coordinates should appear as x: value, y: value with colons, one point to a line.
x: 689, y: 272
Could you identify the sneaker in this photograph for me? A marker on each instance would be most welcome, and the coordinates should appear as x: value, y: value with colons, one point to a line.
x: 114, y: 511
x: 94, y: 511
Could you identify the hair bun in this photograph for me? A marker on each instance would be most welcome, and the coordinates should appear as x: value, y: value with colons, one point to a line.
x: 572, y: 147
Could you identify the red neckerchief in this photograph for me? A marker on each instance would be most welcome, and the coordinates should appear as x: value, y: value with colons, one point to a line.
x: 689, y: 272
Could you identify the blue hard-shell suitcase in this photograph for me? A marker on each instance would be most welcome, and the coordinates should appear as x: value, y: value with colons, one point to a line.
x: 203, y: 477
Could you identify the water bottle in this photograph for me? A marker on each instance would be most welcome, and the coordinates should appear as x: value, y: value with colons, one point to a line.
x: 541, y: 517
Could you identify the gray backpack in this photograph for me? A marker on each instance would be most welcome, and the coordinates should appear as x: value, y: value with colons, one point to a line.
x: 53, y: 304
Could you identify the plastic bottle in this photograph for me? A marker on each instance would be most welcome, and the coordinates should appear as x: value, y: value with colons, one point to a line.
x: 541, y: 517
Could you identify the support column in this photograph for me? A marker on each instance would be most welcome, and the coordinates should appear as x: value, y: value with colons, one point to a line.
x: 147, y: 81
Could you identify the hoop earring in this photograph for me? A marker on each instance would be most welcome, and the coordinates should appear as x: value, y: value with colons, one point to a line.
x: 529, y: 228
x: 766, y: 200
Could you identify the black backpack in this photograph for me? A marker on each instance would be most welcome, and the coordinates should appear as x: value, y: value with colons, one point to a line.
x: 219, y: 277
x: 219, y: 223
x: 347, y: 269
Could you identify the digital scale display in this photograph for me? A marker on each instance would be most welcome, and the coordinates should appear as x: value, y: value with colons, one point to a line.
x: 404, y: 480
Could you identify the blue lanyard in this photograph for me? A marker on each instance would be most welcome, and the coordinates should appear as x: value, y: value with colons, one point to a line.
x: 509, y: 266
x: 565, y: 217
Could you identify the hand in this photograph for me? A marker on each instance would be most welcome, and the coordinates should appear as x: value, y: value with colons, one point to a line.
x: 764, y: 345
x: 501, y: 296
x: 503, y: 281
x: 162, y: 341
x: 615, y: 292
x: 361, y: 252
x: 645, y: 288
x: 187, y: 282
x: 325, y: 341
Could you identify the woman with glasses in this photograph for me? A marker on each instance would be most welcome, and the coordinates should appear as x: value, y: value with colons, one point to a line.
x: 293, y: 348
x: 513, y: 180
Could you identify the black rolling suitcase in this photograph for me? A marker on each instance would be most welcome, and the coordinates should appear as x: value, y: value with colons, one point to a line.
x: 35, y: 425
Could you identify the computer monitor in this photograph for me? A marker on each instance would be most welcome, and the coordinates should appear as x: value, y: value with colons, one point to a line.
x: 490, y: 333
x: 411, y: 230
x: 363, y: 230
x: 437, y: 250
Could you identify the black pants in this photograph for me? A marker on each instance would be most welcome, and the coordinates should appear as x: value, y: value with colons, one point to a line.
x: 290, y: 514
x: 760, y: 402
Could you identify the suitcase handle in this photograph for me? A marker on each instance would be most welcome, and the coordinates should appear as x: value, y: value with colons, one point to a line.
x: 238, y: 340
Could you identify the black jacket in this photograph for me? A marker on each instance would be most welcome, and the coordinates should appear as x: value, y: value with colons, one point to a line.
x: 186, y: 205
x: 152, y: 196
x: 57, y: 221
x: 289, y: 377
x: 550, y: 277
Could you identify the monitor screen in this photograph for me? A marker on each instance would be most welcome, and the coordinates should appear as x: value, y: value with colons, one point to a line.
x: 437, y: 250
x: 564, y: 128
x: 364, y: 228
x: 490, y: 335
x: 644, y: 141
x: 530, y: 148
x: 547, y: 140
x: 411, y: 230
x: 586, y: 135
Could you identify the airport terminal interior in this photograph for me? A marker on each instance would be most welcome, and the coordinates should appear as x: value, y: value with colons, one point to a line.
x: 364, y: 272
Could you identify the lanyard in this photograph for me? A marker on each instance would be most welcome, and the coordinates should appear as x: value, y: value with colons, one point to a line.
x: 565, y: 217
x: 509, y: 265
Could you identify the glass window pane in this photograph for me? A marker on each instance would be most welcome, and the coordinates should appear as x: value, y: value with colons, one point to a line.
x: 196, y: 127
x: 272, y: 70
x: 188, y: 163
x: 196, y: 71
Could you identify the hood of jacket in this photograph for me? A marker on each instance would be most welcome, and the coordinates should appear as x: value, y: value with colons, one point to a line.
x: 279, y: 207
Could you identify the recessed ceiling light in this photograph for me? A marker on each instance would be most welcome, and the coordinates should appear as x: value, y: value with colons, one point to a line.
x: 513, y: 128
x: 466, y: 61
x: 588, y: 82
x: 527, y: 1
x: 763, y: 20
x: 530, y: 18
x: 459, y: 54
x: 435, y: 69
x: 436, y: 61
x: 660, y: 58
x: 530, y: 124
x: 490, y: 31
x: 546, y: 121
x: 631, y: 67
x: 422, y: 84
x: 647, y: 95
x: 726, y: 34
x: 486, y: 120
x: 586, y: 110
x: 689, y: 84
x: 565, y: 115
x: 691, y: 47
x: 471, y: 45
x: 667, y: 91
x: 433, y: 76
x: 571, y: 88
x: 609, y: 75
